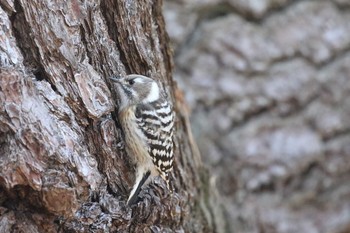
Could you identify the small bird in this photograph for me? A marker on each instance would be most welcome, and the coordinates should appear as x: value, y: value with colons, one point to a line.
x: 147, y: 120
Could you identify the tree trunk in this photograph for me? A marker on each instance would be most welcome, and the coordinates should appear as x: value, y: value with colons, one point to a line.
x: 274, y: 127
x: 63, y: 164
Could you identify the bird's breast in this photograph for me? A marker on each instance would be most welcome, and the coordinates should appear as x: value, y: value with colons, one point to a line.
x: 135, y: 141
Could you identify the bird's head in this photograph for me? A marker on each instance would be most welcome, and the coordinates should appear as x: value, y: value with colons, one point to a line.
x: 136, y: 89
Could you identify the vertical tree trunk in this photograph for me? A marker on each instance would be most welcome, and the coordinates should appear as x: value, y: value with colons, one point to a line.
x: 63, y: 167
x: 274, y: 127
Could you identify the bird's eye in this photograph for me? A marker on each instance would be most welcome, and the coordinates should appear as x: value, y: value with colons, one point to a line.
x: 131, y: 81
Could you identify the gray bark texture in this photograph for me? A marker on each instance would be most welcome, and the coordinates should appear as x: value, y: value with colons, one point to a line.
x: 63, y: 167
x: 268, y: 84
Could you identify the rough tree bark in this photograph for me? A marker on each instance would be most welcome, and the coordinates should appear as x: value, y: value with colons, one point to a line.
x: 62, y: 166
x: 274, y: 127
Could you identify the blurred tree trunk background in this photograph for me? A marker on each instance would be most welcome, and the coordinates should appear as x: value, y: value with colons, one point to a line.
x: 62, y: 163
x: 268, y: 84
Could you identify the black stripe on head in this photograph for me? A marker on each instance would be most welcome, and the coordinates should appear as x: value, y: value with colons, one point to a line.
x: 127, y: 91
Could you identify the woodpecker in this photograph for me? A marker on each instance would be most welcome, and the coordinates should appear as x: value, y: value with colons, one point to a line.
x: 147, y: 120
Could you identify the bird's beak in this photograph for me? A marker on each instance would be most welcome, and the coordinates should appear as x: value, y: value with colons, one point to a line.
x: 117, y: 80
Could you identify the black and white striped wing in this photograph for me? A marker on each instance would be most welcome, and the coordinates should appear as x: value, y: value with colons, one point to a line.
x: 156, y: 121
